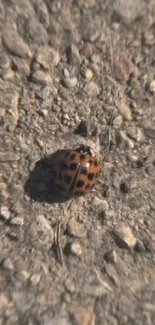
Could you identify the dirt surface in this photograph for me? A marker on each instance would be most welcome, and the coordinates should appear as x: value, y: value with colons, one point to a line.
x: 70, y: 72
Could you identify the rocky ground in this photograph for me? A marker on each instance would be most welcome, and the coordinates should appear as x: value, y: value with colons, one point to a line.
x: 75, y: 71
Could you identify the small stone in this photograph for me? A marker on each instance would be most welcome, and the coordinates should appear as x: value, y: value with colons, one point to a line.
x: 23, y: 275
x: 111, y: 272
x: 76, y: 249
x: 70, y: 82
x: 125, y: 140
x: 15, y: 44
x: 35, y: 279
x: 123, y: 67
x: 4, y: 61
x: 43, y: 112
x: 4, y: 212
x: 7, y: 74
x: 40, y: 233
x: 150, y: 132
x: 75, y: 229
x: 54, y: 56
x: 42, y: 57
x: 16, y: 221
x: 118, y: 121
x: 73, y: 55
x: 128, y: 10
x: 69, y: 286
x: 124, y: 237
x: 41, y: 77
x: 4, y: 302
x: 111, y: 257
x: 140, y: 247
x: 101, y: 202
x: 8, y: 265
x: 21, y: 66
x: 88, y: 74
x: 92, y: 89
x: 82, y: 314
x: 135, y: 133
x: 152, y: 86
x: 87, y: 128
x: 125, y: 110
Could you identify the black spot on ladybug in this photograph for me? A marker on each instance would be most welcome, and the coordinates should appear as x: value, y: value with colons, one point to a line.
x: 91, y: 176
x: 95, y: 163
x: 72, y: 156
x: 90, y: 162
x: 67, y: 179
x: 80, y: 183
x: 73, y: 166
x: 83, y: 171
x: 82, y: 156
x: 78, y: 193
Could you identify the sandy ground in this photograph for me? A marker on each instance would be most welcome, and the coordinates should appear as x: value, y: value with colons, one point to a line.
x: 70, y: 72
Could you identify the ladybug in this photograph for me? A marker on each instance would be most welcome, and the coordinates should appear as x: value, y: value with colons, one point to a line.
x: 78, y: 173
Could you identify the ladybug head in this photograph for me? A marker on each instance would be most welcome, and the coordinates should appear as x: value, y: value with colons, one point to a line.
x: 85, y: 150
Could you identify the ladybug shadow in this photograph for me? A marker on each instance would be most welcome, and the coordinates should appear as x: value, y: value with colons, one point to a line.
x: 41, y: 183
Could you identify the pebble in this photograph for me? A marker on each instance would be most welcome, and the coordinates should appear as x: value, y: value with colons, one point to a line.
x: 111, y: 257
x: 73, y: 55
x: 35, y: 278
x: 87, y: 128
x: 41, y: 77
x: 118, y: 121
x: 111, y: 272
x: 7, y: 74
x: 150, y: 132
x: 88, y: 74
x: 16, y: 221
x: 152, y: 86
x: 4, y: 61
x: 129, y: 10
x: 92, y: 89
x: 8, y: 265
x: 5, y: 212
x: 101, y: 202
x: 70, y: 82
x: 124, y: 139
x: 42, y: 57
x: 9, y: 101
x: 82, y: 314
x: 4, y: 302
x: 123, y: 67
x: 76, y: 249
x: 75, y: 229
x: 21, y: 66
x: 125, y: 110
x: 54, y: 56
x: 40, y: 233
x: 124, y: 237
x: 15, y: 44
x: 140, y: 247
x: 135, y: 133
x: 23, y: 275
